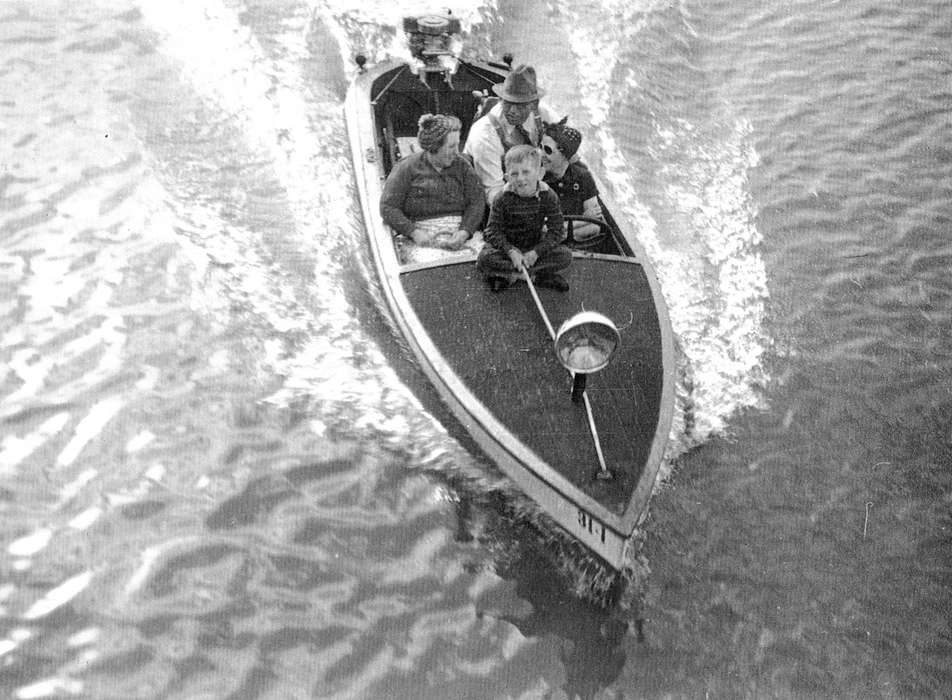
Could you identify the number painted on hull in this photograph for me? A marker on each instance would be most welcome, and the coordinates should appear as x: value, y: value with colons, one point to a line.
x: 591, y: 525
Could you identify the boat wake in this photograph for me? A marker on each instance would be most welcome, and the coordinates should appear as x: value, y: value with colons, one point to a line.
x: 294, y: 258
x: 285, y: 252
x: 684, y: 188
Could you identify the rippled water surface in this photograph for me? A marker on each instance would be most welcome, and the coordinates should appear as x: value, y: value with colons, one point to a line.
x: 222, y: 476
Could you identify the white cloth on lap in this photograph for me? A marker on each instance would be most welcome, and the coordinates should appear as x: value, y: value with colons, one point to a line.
x: 430, y: 227
x: 414, y: 253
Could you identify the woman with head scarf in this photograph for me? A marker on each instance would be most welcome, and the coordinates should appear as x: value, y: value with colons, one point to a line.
x: 433, y: 196
x: 570, y: 178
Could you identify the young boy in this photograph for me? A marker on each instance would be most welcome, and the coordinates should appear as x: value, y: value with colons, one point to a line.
x: 525, y: 227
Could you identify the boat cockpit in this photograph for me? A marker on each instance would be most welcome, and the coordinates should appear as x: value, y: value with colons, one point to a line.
x: 436, y: 81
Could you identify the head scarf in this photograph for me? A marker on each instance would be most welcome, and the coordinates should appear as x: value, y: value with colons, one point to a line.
x: 566, y: 138
x: 433, y: 130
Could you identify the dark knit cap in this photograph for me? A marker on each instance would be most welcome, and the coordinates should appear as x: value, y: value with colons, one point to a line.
x: 566, y: 138
x: 433, y: 130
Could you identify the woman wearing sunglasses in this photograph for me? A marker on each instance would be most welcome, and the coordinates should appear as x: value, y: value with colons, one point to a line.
x: 570, y: 178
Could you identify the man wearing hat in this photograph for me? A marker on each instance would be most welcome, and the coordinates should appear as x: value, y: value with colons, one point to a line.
x: 516, y: 119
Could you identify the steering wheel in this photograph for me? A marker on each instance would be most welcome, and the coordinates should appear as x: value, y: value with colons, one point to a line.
x: 604, y: 228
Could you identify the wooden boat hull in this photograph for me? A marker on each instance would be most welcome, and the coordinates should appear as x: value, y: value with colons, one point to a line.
x: 492, y: 362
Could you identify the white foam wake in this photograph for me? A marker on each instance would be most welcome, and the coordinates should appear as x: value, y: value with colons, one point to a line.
x: 715, y: 284
x: 287, y: 116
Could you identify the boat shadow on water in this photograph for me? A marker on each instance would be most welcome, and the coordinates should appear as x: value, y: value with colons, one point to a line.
x: 555, y: 578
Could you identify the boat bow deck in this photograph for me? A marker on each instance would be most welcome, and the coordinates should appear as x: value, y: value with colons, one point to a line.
x: 497, y: 344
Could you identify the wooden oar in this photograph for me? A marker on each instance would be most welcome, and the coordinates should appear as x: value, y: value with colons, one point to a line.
x: 538, y: 302
x: 603, y: 472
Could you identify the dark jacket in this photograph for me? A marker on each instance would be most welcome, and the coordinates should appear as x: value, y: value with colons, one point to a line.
x: 525, y: 223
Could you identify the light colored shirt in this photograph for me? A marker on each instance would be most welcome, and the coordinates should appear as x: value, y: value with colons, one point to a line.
x: 487, y: 150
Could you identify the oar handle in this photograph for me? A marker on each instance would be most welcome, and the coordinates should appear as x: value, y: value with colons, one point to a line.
x: 538, y: 301
x: 578, y: 387
x: 603, y: 473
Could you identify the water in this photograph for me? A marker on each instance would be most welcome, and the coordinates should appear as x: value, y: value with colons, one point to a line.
x: 221, y: 474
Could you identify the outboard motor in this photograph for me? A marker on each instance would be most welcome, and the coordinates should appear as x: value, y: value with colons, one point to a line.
x: 434, y: 43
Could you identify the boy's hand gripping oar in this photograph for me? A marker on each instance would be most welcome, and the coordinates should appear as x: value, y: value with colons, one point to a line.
x: 578, y: 386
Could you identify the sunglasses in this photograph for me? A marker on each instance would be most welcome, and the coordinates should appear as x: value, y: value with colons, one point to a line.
x: 548, y: 149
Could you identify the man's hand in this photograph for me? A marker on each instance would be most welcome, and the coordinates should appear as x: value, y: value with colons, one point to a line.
x: 530, y: 258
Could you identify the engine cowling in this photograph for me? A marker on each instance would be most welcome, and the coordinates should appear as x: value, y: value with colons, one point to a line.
x: 429, y: 36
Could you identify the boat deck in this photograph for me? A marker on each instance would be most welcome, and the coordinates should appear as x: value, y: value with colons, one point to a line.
x: 497, y: 343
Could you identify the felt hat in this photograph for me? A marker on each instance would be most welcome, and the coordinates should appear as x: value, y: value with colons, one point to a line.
x: 519, y: 86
